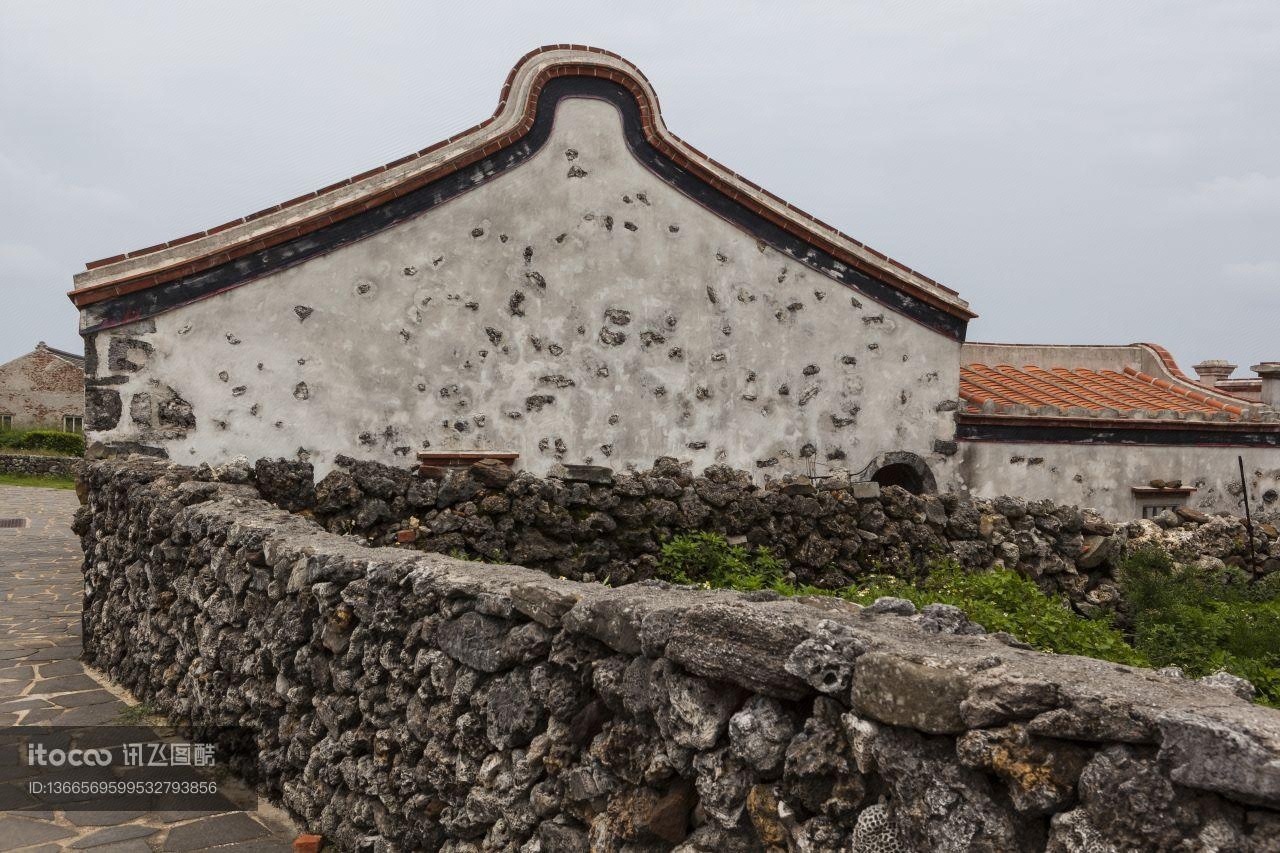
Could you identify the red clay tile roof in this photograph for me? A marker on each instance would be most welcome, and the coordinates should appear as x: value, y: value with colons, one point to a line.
x: 1094, y: 390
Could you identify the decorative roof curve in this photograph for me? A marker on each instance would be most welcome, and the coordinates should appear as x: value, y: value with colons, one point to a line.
x: 201, y: 264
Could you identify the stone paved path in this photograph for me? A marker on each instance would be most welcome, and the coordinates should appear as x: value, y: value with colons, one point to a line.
x: 43, y: 682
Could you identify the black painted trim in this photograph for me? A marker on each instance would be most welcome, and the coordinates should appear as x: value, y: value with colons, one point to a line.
x: 164, y: 297
x: 1133, y: 436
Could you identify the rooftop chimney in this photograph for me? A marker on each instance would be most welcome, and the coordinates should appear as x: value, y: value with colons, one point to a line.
x: 1213, y: 371
x: 1270, y: 373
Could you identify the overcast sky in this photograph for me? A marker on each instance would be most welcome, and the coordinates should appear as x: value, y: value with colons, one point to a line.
x: 1084, y: 171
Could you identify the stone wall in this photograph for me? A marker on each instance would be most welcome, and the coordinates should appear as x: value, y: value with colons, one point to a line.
x: 407, y: 701
x: 40, y: 466
x: 590, y: 523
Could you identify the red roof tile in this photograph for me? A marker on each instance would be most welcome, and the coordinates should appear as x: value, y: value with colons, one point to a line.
x: 1095, y: 390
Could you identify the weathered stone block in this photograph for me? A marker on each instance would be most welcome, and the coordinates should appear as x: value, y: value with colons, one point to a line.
x: 102, y: 409
x: 864, y: 491
x: 1204, y: 753
x: 127, y: 355
x: 900, y: 692
x: 748, y: 646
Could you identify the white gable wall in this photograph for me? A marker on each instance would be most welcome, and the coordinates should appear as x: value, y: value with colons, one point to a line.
x: 427, y: 337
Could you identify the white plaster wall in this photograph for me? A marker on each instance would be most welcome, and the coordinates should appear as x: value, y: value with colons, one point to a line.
x: 411, y: 342
x: 1101, y: 476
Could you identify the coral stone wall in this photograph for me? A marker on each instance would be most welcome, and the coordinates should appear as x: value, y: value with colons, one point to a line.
x: 591, y: 523
x: 406, y: 701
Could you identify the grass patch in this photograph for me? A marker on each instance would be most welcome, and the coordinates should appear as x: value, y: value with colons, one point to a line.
x: 708, y: 560
x: 1004, y: 600
x: 1201, y: 620
x: 999, y: 600
x: 38, y: 482
x: 137, y: 714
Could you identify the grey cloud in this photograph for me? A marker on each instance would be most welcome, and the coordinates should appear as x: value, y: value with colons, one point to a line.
x: 1084, y: 172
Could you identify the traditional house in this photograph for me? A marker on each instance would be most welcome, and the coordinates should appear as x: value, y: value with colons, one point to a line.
x: 1119, y: 428
x: 43, y: 389
x: 567, y: 281
x: 570, y: 282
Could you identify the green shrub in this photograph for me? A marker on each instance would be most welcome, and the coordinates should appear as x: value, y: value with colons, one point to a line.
x: 1204, y: 620
x: 43, y: 441
x: 998, y: 600
x: 707, y: 559
x: 1002, y: 600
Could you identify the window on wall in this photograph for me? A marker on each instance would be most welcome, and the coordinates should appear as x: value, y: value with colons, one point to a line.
x: 72, y: 423
x: 1153, y: 500
x: 6, y: 421
x: 1152, y: 510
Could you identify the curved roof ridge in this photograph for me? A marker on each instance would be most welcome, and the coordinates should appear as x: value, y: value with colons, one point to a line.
x: 1167, y: 361
x: 514, y: 117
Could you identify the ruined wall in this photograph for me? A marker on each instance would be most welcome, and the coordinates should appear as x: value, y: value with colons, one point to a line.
x: 414, y: 702
x: 1102, y: 475
x: 39, y: 388
x: 575, y: 309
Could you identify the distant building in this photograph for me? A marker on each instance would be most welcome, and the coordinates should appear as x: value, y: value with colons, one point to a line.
x: 43, y: 389
x: 1119, y: 428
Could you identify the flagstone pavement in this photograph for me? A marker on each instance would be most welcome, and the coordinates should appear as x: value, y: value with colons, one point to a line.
x: 43, y: 682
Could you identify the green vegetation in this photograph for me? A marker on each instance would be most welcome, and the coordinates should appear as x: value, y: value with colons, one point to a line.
x: 1004, y: 600
x: 1203, y: 620
x: 43, y: 442
x: 136, y: 715
x: 38, y: 482
x: 998, y: 600
x: 707, y: 559
x: 1200, y: 620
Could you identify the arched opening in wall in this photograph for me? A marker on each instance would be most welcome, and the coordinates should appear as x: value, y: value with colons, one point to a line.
x: 902, y: 475
x: 901, y: 468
